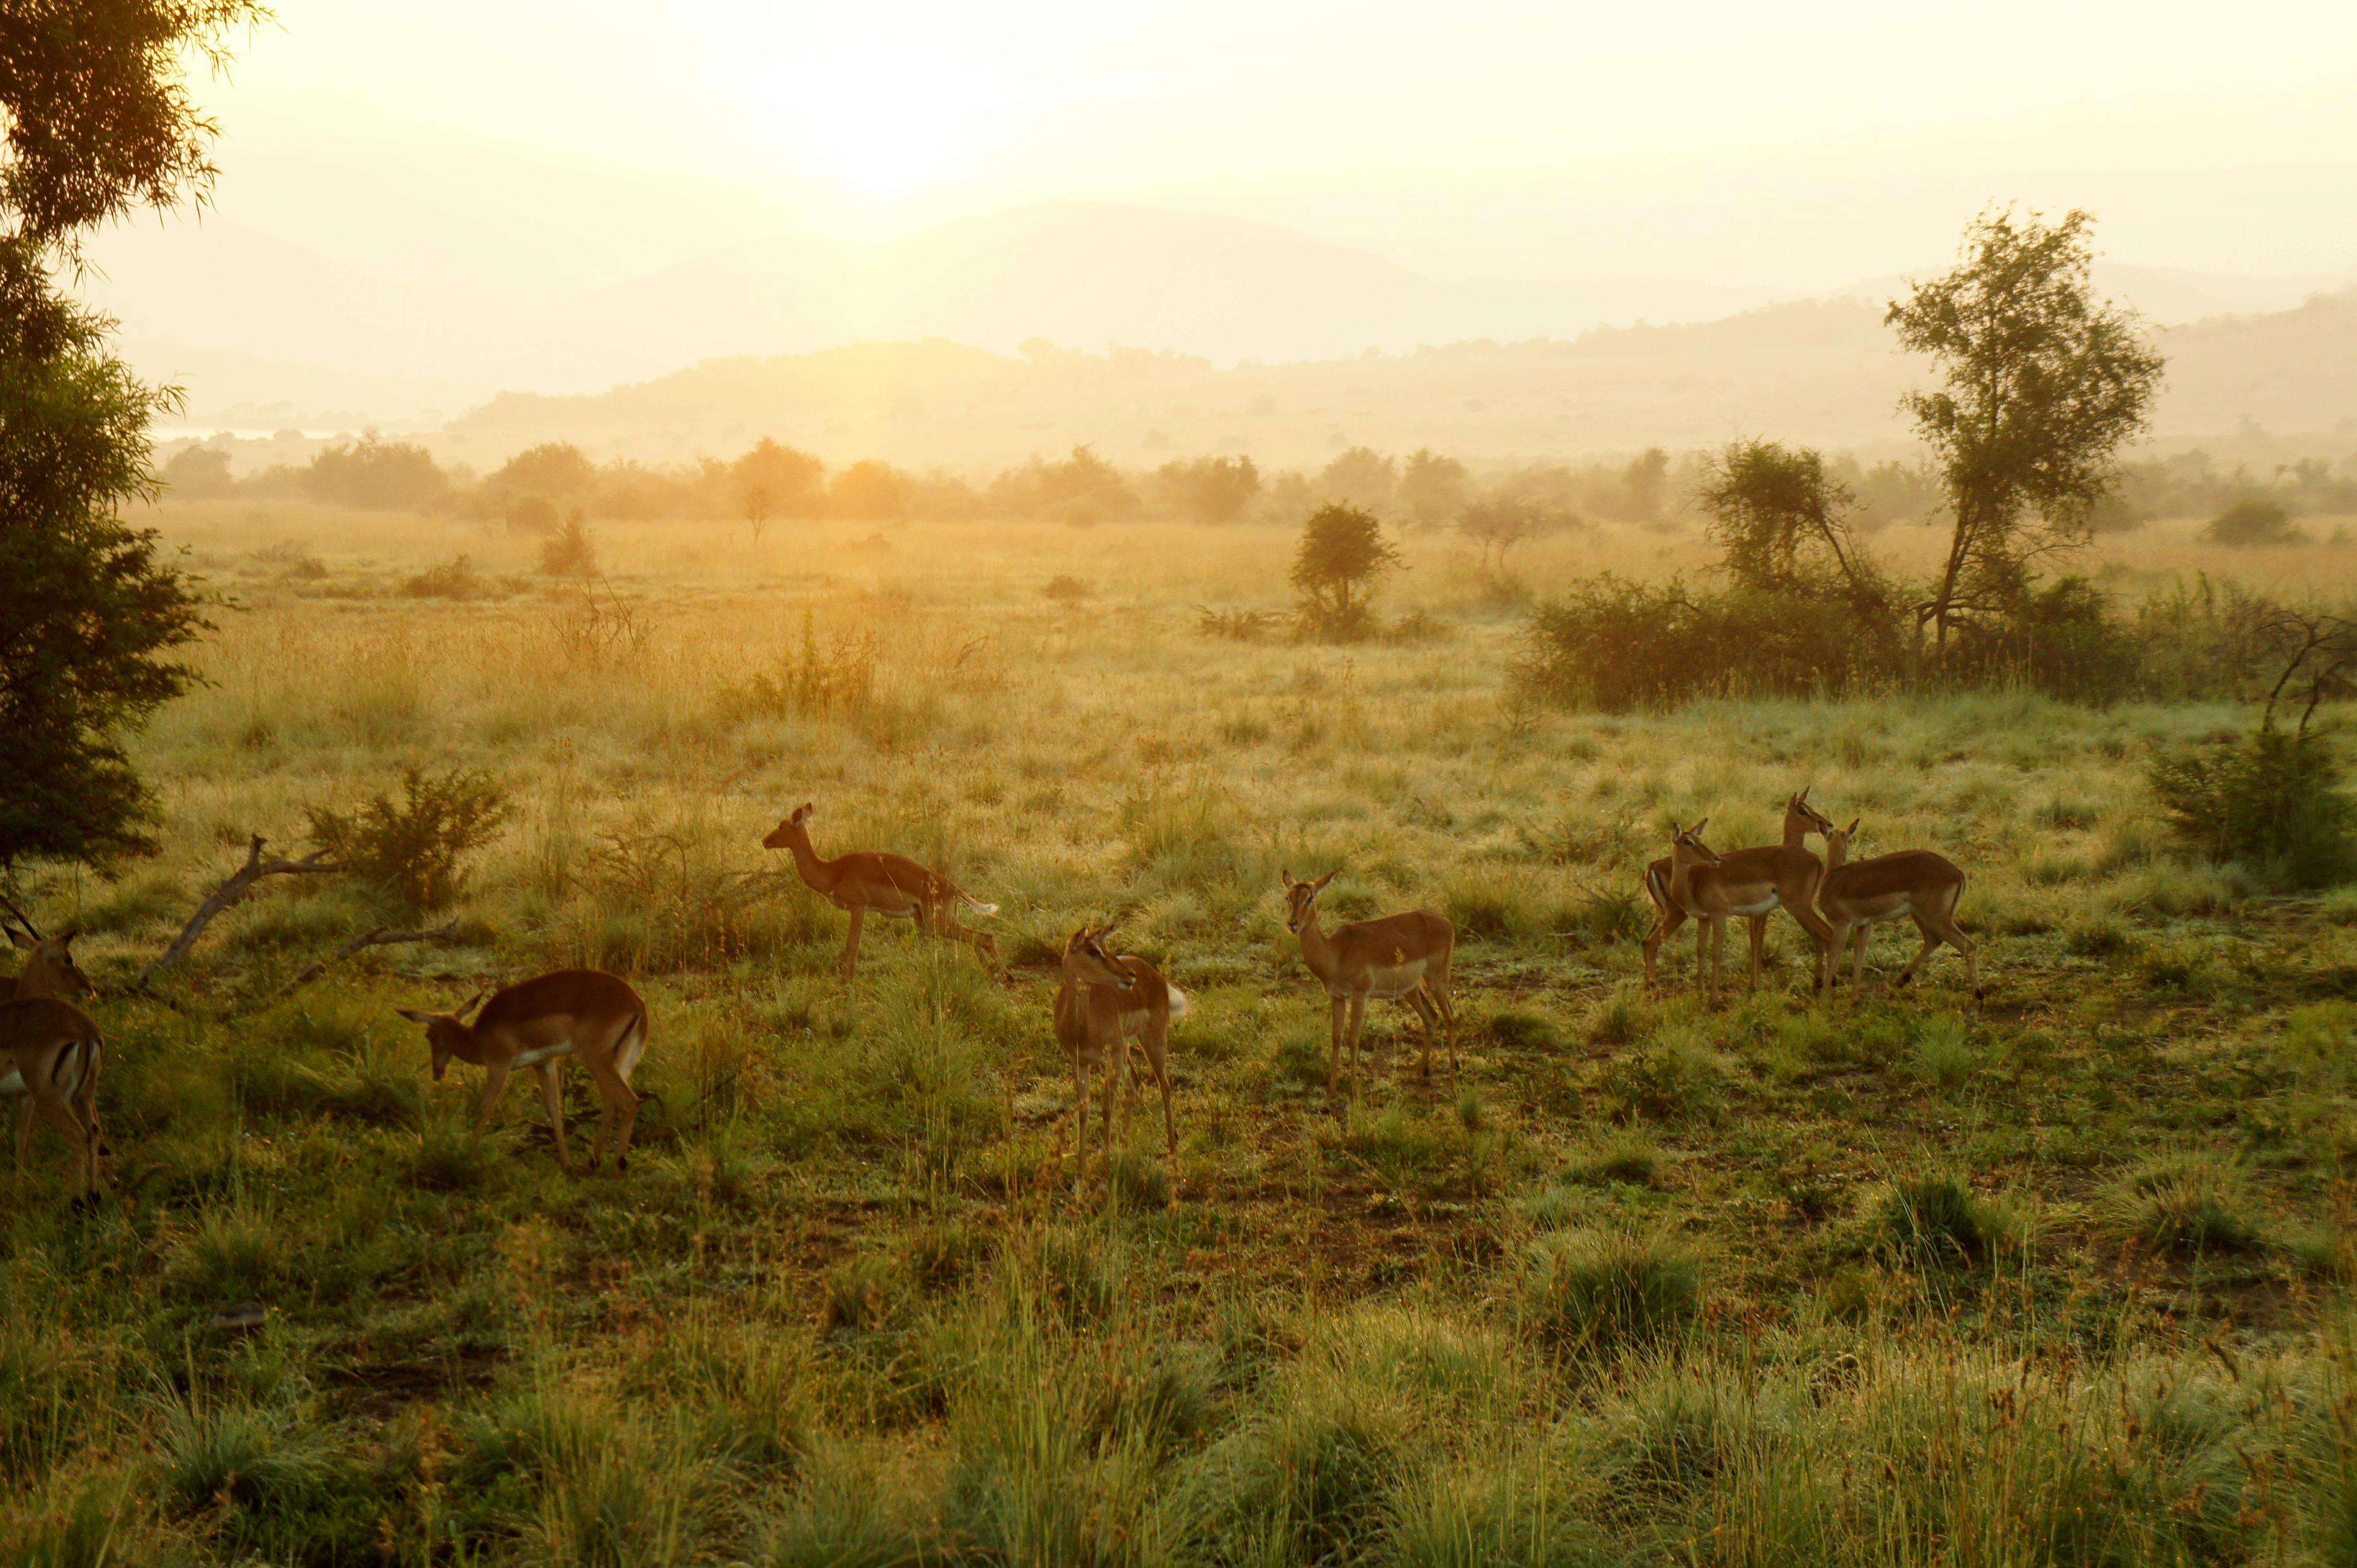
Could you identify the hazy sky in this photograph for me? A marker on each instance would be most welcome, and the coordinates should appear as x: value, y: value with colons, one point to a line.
x: 1800, y: 145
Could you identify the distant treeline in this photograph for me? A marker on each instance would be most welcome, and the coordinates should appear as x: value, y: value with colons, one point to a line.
x: 536, y: 489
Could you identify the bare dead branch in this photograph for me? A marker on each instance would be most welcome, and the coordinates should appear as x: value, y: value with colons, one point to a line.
x: 379, y: 937
x: 232, y: 889
x: 8, y: 908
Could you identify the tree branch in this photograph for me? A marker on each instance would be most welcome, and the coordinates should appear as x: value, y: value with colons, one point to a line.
x: 232, y: 889
x: 379, y: 937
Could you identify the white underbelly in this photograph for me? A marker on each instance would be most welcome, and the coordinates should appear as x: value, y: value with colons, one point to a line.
x: 1766, y: 907
x: 1876, y: 913
x: 540, y: 1053
x: 12, y: 1082
x: 1386, y: 984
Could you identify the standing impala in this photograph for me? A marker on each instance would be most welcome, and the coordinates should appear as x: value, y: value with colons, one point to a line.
x: 51, y: 974
x: 1800, y: 819
x: 1711, y: 887
x: 890, y: 884
x: 50, y: 1052
x: 1403, y: 956
x: 1916, y: 883
x: 586, y: 1013
x: 1102, y: 1003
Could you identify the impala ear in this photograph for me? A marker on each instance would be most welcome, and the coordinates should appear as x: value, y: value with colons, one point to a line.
x: 467, y: 1006
x: 1320, y: 885
x: 19, y: 939
x: 1851, y: 832
x: 415, y: 1017
x: 1284, y: 880
x: 1803, y: 797
x: 1698, y: 828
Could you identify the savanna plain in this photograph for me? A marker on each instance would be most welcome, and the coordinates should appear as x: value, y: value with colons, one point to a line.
x: 1889, y: 1277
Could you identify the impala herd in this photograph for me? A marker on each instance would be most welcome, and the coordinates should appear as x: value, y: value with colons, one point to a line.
x: 52, y: 1051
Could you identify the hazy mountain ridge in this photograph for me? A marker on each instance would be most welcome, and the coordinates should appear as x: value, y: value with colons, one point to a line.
x: 1821, y: 372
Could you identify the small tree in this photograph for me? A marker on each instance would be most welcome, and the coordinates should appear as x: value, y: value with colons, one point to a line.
x: 571, y: 551
x: 2256, y: 519
x: 771, y: 479
x: 1783, y: 522
x: 1361, y: 478
x: 870, y: 491
x: 1208, y: 489
x: 1645, y: 483
x: 1497, y: 525
x: 1342, y: 552
x: 2044, y: 382
x: 1432, y: 487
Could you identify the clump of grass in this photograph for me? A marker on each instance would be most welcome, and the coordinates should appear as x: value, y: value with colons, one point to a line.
x: 1308, y: 1480
x: 1626, y: 1158
x: 1238, y: 625
x: 1138, y: 1181
x: 1678, y: 1076
x: 1524, y: 1028
x: 2185, y: 1205
x: 1944, y: 1053
x: 1621, y: 1019
x: 1606, y: 1290
x: 2096, y: 936
x: 450, y: 1158
x: 1935, y: 1221
x: 414, y: 848
x: 453, y: 579
x: 865, y: 1296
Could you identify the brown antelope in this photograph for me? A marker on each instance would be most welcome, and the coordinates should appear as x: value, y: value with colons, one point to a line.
x: 1102, y: 1003
x: 50, y: 1052
x: 1711, y: 887
x: 1403, y: 956
x: 1916, y: 883
x: 50, y: 973
x: 49, y: 968
x: 586, y: 1013
x: 890, y: 884
x: 1800, y: 819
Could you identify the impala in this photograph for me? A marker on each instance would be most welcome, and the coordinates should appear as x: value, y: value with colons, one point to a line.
x: 1711, y: 887
x: 585, y: 1014
x: 1800, y: 819
x: 1403, y: 956
x: 50, y: 1052
x: 49, y: 968
x: 1102, y: 1003
x: 890, y: 884
x: 1916, y: 883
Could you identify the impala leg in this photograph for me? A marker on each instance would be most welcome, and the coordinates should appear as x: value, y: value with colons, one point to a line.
x: 1944, y: 925
x: 60, y: 1111
x: 24, y: 1131
x: 1702, y: 959
x: 621, y: 1115
x: 1665, y: 926
x: 1442, y: 987
x: 1420, y: 999
x: 945, y: 923
x: 851, y: 944
x: 1357, y: 1028
x: 495, y: 1082
x: 1158, y: 1052
x: 1341, y: 1012
x: 1858, y: 939
x: 1930, y: 945
x: 550, y: 1097
x: 1759, y: 935
x: 1081, y: 1115
x: 1820, y: 934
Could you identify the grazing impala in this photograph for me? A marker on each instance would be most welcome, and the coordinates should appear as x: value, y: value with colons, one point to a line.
x: 586, y: 1013
x: 1800, y: 819
x: 1102, y: 1003
x: 1403, y: 956
x: 890, y: 884
x: 50, y: 1052
x: 1915, y: 883
x: 1711, y: 887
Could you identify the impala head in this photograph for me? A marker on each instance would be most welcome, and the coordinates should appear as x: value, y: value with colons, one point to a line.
x: 783, y: 835
x: 1838, y: 840
x: 49, y: 968
x: 1086, y: 955
x: 1300, y: 896
x: 1686, y: 843
x: 447, y: 1035
x: 1798, y: 806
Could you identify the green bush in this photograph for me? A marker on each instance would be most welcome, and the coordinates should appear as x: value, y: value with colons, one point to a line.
x: 2275, y: 802
x: 414, y: 848
x: 2256, y: 519
x: 1605, y: 1291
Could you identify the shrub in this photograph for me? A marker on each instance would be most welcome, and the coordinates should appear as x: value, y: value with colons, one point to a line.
x: 1065, y: 590
x: 1342, y: 552
x: 1606, y: 1291
x: 2183, y: 1207
x: 2258, y: 520
x: 2273, y: 801
x: 454, y: 579
x: 413, y: 847
x: 569, y: 552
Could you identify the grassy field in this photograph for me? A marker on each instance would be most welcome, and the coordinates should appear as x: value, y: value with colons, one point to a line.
x: 1891, y: 1279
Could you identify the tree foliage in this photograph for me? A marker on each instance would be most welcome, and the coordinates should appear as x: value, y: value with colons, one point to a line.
x: 1783, y: 522
x: 99, y: 123
x: 1342, y: 552
x: 771, y: 478
x: 1208, y: 489
x: 2043, y: 383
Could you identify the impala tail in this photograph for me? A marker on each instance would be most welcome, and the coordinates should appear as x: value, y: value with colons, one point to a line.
x: 1180, y: 1005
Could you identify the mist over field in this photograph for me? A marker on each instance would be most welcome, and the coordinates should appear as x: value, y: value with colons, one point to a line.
x: 1177, y: 782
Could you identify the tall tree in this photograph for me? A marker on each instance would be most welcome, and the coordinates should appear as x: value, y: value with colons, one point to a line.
x: 2043, y: 383
x: 94, y: 100
x: 1783, y: 522
x: 771, y: 478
